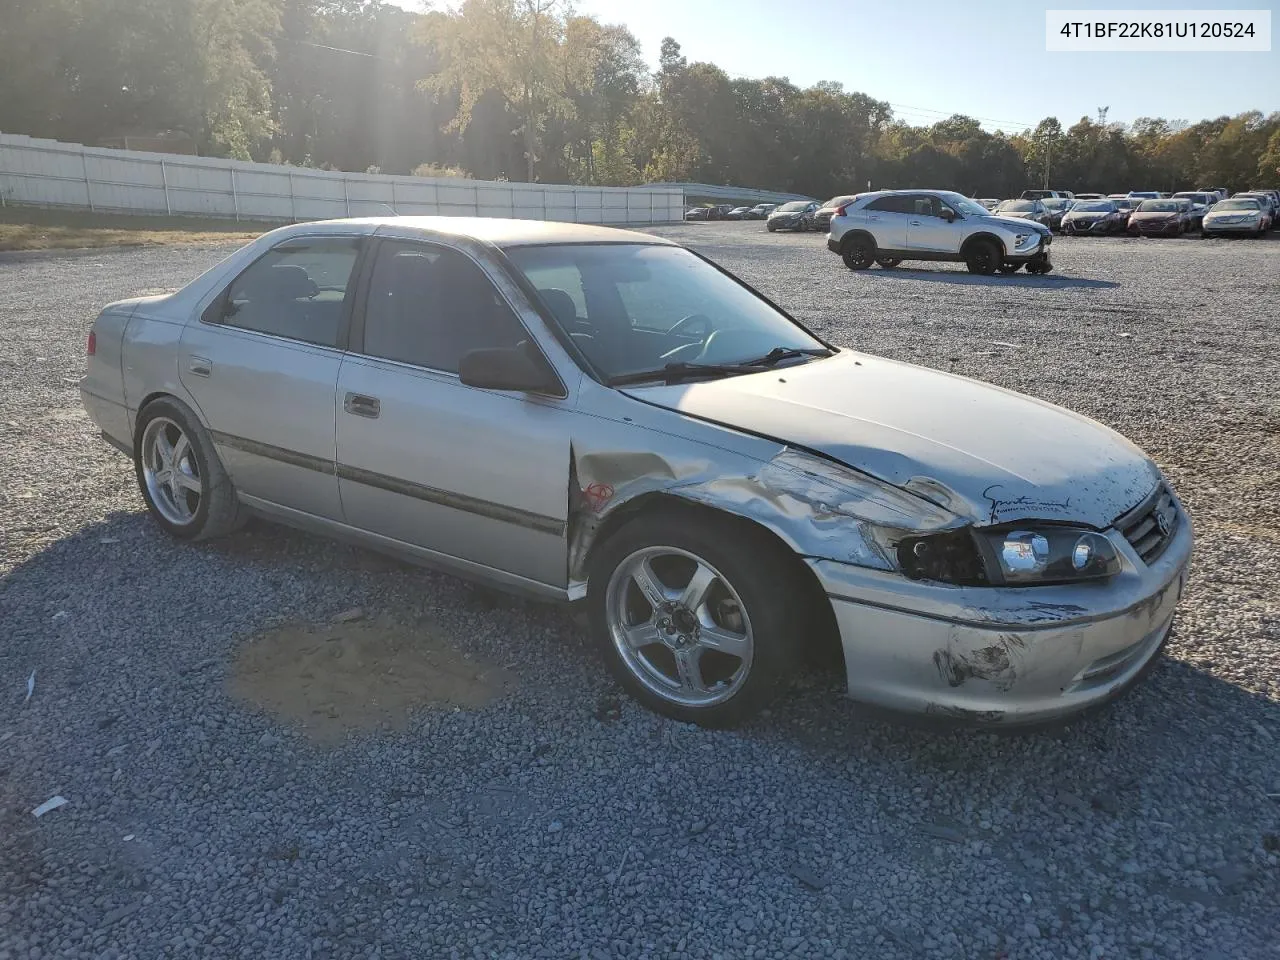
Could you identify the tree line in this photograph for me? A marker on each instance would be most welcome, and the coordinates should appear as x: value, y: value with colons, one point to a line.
x: 529, y: 90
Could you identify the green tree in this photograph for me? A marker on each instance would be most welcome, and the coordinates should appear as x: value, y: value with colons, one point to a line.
x: 512, y: 49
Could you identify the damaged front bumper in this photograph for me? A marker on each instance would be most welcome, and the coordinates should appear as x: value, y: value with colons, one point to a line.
x: 1003, y: 655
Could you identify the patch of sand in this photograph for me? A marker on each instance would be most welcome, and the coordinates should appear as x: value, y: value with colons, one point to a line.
x: 361, y: 675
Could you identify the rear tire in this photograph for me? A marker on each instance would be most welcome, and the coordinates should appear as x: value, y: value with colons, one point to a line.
x: 716, y: 659
x: 888, y: 262
x: 858, y: 254
x: 181, y: 478
x: 984, y: 258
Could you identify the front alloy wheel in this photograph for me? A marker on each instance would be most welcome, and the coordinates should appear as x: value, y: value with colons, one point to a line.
x: 679, y: 626
x: 984, y: 258
x: 696, y: 614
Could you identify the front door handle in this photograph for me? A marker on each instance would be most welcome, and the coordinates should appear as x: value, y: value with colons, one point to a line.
x: 358, y: 405
x: 199, y: 366
x: 877, y: 219
x: 916, y: 223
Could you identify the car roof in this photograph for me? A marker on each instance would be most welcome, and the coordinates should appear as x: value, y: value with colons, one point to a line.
x: 498, y: 231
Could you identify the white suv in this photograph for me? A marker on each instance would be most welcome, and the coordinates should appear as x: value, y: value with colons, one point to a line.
x: 895, y: 225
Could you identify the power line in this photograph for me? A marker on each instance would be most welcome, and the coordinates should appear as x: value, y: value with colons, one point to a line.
x: 907, y: 108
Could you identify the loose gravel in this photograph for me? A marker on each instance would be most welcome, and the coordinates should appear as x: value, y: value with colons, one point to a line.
x: 562, y: 820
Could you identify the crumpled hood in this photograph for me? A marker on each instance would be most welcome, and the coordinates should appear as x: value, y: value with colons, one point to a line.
x: 982, y: 452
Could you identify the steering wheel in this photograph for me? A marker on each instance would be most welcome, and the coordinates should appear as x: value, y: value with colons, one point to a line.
x: 689, y: 321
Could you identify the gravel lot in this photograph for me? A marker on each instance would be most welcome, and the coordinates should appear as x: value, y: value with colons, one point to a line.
x: 560, y: 821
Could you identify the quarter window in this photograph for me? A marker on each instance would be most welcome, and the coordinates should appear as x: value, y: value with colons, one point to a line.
x: 296, y: 290
x: 428, y: 305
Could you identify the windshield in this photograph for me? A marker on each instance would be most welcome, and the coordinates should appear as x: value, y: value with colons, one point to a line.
x: 1237, y: 205
x: 1093, y: 206
x: 793, y: 205
x: 632, y: 307
x: 1158, y: 206
x: 965, y: 206
x: 1016, y: 206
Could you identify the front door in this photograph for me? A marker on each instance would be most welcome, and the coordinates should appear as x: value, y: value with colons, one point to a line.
x: 477, y: 475
x: 262, y: 365
x: 928, y: 231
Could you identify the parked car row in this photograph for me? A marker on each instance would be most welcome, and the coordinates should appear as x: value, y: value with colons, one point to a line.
x: 1146, y: 212
x: 1150, y: 213
x: 727, y: 211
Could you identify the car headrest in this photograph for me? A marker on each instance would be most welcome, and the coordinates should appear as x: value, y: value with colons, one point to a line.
x: 284, y: 281
x: 561, y: 304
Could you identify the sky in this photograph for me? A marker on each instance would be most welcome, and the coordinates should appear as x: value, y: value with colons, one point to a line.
x: 933, y: 58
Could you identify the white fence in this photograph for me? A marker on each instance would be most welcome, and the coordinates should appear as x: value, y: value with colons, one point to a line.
x: 49, y: 173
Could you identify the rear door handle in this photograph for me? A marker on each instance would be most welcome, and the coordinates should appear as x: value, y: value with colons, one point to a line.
x: 916, y: 223
x: 199, y: 366
x: 877, y: 219
x: 358, y: 405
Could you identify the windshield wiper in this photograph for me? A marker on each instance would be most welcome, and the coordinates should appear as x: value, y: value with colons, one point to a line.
x: 778, y: 354
x: 675, y: 372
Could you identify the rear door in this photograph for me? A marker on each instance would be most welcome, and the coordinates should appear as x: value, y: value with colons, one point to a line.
x: 887, y: 221
x: 262, y: 364
x: 424, y: 459
x: 928, y: 231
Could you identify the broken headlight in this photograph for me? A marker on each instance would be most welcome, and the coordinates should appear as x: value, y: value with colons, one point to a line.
x: 1048, y: 554
x: 1012, y: 556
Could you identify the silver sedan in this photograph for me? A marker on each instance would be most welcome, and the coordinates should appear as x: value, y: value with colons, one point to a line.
x: 580, y: 413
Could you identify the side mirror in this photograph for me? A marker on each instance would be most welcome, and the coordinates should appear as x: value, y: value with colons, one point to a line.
x: 508, y: 368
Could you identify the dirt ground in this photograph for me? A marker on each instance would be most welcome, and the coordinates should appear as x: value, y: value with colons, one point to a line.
x: 30, y: 228
x: 359, y: 674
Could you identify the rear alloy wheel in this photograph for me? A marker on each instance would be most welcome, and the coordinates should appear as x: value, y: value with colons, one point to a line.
x: 181, y: 479
x: 888, y: 262
x: 984, y: 258
x: 858, y: 254
x: 692, y: 618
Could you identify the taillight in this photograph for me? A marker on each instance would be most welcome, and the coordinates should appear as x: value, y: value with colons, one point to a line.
x: 841, y: 209
x: 92, y: 346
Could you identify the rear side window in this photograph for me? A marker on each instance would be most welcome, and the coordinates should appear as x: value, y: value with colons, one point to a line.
x: 296, y: 290
x: 892, y: 205
x: 428, y: 305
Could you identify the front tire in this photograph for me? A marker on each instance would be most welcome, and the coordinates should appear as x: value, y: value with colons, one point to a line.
x: 984, y: 258
x: 692, y: 616
x: 181, y: 478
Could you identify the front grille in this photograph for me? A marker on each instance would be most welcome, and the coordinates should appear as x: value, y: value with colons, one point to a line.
x: 1151, y: 524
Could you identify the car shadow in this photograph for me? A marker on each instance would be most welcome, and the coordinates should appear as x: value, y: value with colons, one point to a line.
x: 960, y: 278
